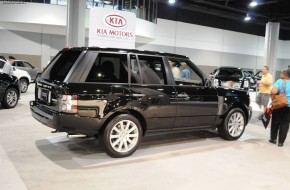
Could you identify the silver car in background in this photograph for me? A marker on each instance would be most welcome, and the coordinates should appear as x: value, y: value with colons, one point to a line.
x: 24, y: 65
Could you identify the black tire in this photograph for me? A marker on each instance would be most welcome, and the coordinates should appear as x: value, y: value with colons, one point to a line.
x: 10, y: 98
x: 123, y: 137
x: 238, y: 126
x: 23, y: 85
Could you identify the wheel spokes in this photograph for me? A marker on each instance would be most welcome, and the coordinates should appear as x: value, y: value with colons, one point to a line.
x: 236, y: 124
x: 124, y: 136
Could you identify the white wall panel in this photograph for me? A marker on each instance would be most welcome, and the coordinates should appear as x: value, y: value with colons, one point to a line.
x: 284, y: 50
x: 19, y: 42
x: 145, y: 28
x: 201, y: 57
x: 199, y: 33
x: 57, y: 43
x: 203, y: 45
x: 186, y: 35
x: 36, y: 13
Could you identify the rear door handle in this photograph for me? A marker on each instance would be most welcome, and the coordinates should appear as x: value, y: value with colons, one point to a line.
x: 183, y: 96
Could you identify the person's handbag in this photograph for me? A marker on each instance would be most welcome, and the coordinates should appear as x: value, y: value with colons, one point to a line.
x: 280, y: 100
x: 266, y: 117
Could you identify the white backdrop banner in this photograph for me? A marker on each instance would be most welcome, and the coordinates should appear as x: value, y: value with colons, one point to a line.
x: 112, y: 28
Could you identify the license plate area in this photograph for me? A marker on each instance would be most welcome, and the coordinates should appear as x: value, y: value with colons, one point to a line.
x: 44, y: 95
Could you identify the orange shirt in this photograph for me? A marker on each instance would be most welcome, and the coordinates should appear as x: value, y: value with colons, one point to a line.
x: 265, y: 89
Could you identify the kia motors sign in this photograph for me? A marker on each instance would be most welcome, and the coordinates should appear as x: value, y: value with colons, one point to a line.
x: 112, y: 28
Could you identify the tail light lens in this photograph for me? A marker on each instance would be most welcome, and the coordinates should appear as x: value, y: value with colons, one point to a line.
x: 216, y: 82
x: 69, y: 103
x: 246, y: 84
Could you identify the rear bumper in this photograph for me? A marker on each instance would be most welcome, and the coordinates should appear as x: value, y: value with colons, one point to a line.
x: 65, y: 122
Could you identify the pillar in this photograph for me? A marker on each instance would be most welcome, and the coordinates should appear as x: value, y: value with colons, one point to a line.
x: 45, y: 50
x: 75, y: 32
x: 271, y: 46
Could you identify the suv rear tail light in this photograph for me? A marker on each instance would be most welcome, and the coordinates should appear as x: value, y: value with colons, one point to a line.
x: 216, y: 82
x: 69, y: 103
x: 246, y: 84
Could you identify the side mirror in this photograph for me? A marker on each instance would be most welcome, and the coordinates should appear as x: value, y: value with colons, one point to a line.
x: 14, y: 69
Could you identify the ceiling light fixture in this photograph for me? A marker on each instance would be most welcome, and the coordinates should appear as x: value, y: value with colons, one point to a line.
x: 253, y: 3
x: 171, y: 1
x: 247, y: 18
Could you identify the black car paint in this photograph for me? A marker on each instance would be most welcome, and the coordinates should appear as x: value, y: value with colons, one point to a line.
x: 7, y: 81
x: 159, y: 108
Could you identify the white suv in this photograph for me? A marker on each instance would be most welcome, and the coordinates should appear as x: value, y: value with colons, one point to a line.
x: 23, y: 76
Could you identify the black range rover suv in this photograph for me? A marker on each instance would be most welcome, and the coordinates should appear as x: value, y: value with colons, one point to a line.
x: 120, y: 95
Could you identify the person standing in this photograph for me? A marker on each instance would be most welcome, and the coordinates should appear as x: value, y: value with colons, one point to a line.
x: 281, y: 117
x: 8, y: 68
x: 185, y: 73
x: 264, y: 86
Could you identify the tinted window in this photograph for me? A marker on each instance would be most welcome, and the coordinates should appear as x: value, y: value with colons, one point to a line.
x: 183, y: 73
x: 135, y: 72
x: 19, y: 63
x: 2, y: 57
x: 152, y: 70
x: 27, y: 65
x: 61, y: 65
x: 230, y: 73
x: 2, y: 63
x: 109, y: 68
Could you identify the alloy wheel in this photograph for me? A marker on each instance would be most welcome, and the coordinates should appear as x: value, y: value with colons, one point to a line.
x: 23, y: 85
x: 124, y: 136
x: 11, y: 98
x: 236, y: 124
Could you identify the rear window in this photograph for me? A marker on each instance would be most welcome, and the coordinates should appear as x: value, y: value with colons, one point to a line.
x: 60, y: 66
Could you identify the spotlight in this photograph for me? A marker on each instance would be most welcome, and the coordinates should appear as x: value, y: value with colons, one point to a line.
x: 247, y: 18
x: 171, y: 1
x: 253, y: 3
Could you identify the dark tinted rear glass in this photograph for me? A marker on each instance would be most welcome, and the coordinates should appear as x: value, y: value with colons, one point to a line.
x: 109, y: 67
x: 61, y: 65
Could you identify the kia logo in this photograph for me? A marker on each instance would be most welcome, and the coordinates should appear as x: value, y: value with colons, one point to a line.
x: 115, y: 21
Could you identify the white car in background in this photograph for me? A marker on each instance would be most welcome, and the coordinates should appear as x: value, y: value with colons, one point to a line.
x: 23, y: 76
x: 25, y: 66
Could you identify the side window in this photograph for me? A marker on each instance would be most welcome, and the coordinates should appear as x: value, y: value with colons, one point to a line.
x: 183, y: 73
x: 109, y: 68
x: 2, y: 63
x: 2, y: 57
x: 135, y: 73
x: 27, y: 65
x: 19, y: 64
x: 152, y: 70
